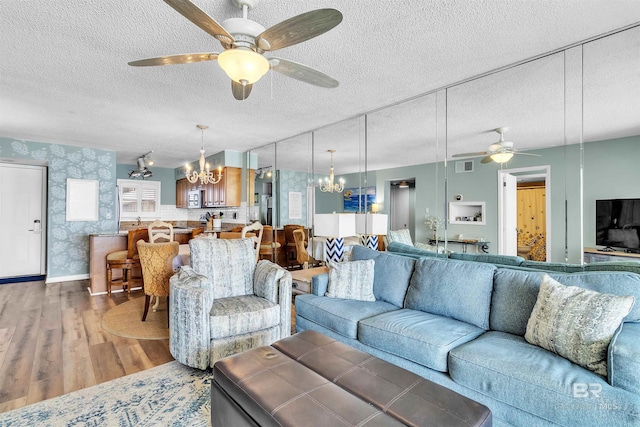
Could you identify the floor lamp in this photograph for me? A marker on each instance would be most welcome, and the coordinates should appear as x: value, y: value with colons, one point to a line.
x: 369, y: 227
x: 335, y: 227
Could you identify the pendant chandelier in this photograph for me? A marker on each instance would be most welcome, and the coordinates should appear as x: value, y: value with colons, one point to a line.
x: 328, y: 186
x: 205, y: 175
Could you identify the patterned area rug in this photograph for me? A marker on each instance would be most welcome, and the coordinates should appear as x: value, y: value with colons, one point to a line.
x: 168, y: 395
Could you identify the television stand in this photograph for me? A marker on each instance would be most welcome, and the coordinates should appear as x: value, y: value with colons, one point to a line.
x: 607, y: 249
x: 632, y: 250
x: 592, y: 255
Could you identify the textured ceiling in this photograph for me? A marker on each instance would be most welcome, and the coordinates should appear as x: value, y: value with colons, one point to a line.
x: 64, y: 78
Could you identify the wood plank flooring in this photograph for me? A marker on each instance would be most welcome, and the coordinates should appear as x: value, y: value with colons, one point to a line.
x: 52, y: 342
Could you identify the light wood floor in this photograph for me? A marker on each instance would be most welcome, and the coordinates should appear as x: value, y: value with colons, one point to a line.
x: 52, y: 343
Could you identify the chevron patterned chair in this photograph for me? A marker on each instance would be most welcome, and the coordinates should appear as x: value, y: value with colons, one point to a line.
x: 225, y: 303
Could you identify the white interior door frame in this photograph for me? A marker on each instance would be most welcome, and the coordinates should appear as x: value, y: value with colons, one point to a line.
x: 539, y: 172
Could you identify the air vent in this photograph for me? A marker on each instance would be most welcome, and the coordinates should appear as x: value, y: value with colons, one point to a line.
x: 464, y: 166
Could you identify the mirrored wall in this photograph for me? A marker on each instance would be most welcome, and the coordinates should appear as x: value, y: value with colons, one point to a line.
x: 570, y: 119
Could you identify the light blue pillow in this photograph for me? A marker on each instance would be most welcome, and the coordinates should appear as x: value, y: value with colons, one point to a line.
x: 351, y: 280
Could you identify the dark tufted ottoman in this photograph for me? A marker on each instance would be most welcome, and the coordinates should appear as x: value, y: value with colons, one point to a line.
x: 309, y: 379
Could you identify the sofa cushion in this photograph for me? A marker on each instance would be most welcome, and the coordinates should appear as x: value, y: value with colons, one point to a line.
x: 576, y: 323
x: 423, y: 338
x: 488, y: 258
x: 240, y: 315
x: 560, y: 267
x: 515, y: 293
x: 411, y: 251
x: 339, y: 315
x: 391, y: 274
x: 351, y: 280
x: 456, y: 289
x: 623, y: 362
x: 507, y: 368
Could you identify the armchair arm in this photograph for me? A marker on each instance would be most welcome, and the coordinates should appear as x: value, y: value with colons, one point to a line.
x: 273, y: 282
x: 624, y: 358
x: 189, y: 305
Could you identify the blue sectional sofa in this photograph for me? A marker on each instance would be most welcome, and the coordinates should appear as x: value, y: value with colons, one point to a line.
x: 461, y: 324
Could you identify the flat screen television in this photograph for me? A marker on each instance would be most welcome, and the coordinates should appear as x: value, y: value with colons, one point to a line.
x: 618, y: 224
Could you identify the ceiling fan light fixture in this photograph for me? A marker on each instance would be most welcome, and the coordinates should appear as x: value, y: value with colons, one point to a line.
x: 243, y: 65
x: 501, y: 157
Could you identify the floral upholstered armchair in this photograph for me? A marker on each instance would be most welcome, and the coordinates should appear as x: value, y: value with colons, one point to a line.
x: 225, y: 303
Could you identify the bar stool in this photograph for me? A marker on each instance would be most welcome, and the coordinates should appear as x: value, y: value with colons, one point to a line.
x: 268, y: 246
x: 126, y: 261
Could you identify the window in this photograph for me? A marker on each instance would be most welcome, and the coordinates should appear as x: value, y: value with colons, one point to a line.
x: 139, y: 199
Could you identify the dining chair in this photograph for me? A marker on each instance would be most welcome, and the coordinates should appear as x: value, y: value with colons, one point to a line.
x: 160, y: 231
x: 257, y: 228
x: 302, y: 255
x: 156, y: 260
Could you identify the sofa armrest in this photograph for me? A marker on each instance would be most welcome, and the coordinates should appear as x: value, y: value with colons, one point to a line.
x: 623, y: 362
x: 284, y: 287
x: 189, y: 305
x: 319, y: 284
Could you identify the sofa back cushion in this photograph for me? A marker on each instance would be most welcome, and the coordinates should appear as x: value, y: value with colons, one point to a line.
x: 391, y: 274
x: 456, y: 289
x: 490, y: 258
x: 412, y: 251
x: 515, y: 293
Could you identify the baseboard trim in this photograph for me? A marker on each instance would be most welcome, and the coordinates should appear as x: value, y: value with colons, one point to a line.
x: 66, y: 278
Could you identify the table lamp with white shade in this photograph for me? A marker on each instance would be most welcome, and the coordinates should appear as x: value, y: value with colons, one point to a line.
x: 335, y: 227
x: 369, y: 227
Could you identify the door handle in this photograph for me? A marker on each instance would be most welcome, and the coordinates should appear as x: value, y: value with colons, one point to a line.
x: 36, y: 226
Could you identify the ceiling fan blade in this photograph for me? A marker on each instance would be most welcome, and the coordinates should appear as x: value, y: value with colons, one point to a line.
x: 302, y: 73
x: 521, y: 153
x: 186, y: 58
x: 479, y: 153
x: 487, y: 159
x: 298, y: 29
x: 196, y: 15
x: 239, y: 91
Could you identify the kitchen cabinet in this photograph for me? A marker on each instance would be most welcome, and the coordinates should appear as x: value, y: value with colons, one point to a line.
x: 208, y: 195
x: 182, y: 193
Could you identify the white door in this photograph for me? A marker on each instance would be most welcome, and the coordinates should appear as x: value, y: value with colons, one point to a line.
x: 508, y: 240
x: 22, y: 220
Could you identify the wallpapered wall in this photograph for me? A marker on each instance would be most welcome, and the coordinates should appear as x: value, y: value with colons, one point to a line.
x: 291, y: 181
x: 68, y: 242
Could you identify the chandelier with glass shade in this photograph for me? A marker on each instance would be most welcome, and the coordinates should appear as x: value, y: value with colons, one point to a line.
x: 205, y: 175
x: 328, y: 185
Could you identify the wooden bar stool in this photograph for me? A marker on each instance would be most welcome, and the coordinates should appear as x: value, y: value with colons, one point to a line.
x: 128, y: 262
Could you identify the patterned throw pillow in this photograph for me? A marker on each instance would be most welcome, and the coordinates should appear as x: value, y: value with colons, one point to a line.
x: 401, y: 236
x: 576, y: 323
x: 351, y: 280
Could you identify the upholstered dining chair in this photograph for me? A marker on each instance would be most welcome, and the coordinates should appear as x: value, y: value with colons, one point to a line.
x: 160, y: 231
x: 127, y: 261
x: 302, y: 255
x: 268, y: 246
x: 225, y: 303
x: 290, y: 244
x: 156, y: 260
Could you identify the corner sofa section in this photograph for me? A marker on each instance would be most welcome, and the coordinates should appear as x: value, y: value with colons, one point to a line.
x: 461, y: 324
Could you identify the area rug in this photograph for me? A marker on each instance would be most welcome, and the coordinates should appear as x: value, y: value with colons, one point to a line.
x: 125, y: 320
x: 168, y: 395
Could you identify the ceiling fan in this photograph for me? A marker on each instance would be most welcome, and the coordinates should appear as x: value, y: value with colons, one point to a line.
x: 499, y: 152
x: 244, y: 42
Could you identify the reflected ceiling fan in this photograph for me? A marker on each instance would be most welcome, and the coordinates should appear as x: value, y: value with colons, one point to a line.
x: 499, y: 152
x: 244, y: 42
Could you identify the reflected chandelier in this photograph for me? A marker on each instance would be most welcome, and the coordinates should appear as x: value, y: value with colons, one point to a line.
x: 328, y: 186
x: 205, y: 175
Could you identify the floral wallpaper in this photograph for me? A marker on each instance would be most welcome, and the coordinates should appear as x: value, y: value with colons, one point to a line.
x: 292, y: 181
x: 68, y: 242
